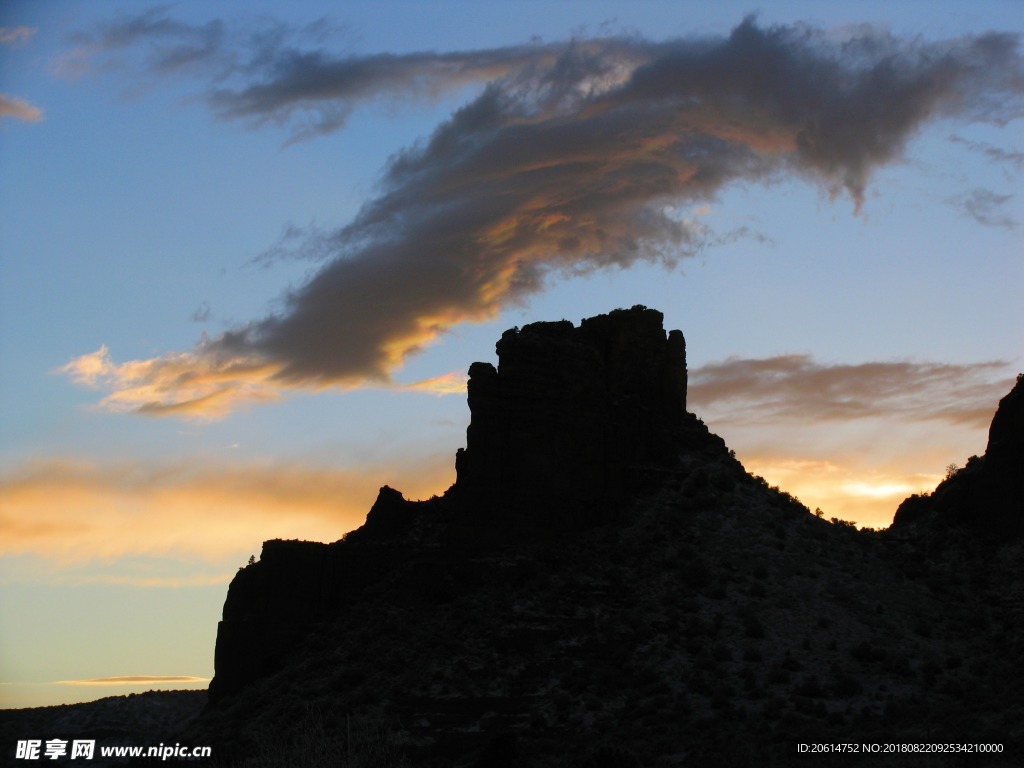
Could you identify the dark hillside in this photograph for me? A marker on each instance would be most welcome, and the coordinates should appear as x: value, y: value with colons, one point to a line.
x: 606, y: 586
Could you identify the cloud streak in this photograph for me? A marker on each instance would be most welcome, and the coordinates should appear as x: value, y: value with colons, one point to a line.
x: 985, y: 207
x: 16, y: 35
x: 797, y: 389
x: 137, y: 680
x: 993, y: 153
x: 268, y: 73
x: 19, y: 109
x: 12, y: 106
x: 72, y: 512
x: 573, y: 157
x: 856, y: 439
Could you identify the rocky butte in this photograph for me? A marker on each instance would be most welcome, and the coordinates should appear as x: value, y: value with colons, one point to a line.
x: 604, y: 585
x: 571, y: 424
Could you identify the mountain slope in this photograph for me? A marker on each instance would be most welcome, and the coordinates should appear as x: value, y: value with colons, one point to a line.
x: 606, y: 586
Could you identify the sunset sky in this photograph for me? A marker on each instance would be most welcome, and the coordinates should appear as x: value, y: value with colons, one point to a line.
x: 248, y: 251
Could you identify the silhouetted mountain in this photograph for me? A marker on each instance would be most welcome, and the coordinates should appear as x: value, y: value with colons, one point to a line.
x: 572, y: 425
x: 605, y: 585
x: 138, y: 719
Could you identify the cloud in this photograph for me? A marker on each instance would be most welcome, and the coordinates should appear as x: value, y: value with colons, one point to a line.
x: 16, y: 35
x: 855, y: 439
x: 451, y: 383
x: 995, y: 154
x: 266, y: 73
x: 984, y: 206
x: 12, y: 106
x: 202, y: 313
x: 797, y: 389
x: 137, y: 680
x: 574, y: 157
x: 72, y: 512
x: 204, y: 386
x: 171, y: 46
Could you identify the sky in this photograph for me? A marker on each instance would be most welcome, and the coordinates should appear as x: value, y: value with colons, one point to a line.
x: 248, y: 252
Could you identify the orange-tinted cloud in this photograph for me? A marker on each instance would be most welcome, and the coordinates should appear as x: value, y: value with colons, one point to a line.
x: 138, y: 680
x: 451, y: 383
x: 575, y: 156
x: 15, y: 35
x: 195, y: 385
x: 797, y: 389
x: 854, y: 440
x: 12, y: 106
x: 72, y: 512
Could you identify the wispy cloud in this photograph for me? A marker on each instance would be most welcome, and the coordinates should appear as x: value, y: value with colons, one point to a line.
x: 856, y: 439
x: 268, y: 72
x: 12, y: 106
x: 573, y: 157
x: 19, y: 109
x: 137, y: 680
x: 73, y: 512
x: 797, y: 389
x: 204, y: 386
x: 16, y: 35
x: 986, y: 207
x: 451, y: 383
x: 995, y: 154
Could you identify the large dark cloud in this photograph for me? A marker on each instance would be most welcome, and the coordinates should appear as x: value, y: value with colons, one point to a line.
x: 572, y: 157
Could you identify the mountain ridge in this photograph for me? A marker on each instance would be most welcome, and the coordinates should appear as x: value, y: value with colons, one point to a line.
x: 605, y: 579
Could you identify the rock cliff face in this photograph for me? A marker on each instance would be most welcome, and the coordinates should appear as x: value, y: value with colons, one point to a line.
x: 987, y: 495
x: 573, y: 421
x: 564, y: 428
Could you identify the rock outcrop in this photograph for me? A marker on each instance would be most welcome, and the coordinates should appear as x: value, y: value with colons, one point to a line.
x: 571, y: 423
x: 565, y: 427
x: 986, y: 495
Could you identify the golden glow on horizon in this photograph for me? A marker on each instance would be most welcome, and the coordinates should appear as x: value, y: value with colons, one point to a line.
x: 137, y: 680
x: 73, y: 512
x: 880, y: 490
x: 866, y: 497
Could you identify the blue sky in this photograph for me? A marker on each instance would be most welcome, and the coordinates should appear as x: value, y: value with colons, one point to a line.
x: 851, y: 319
